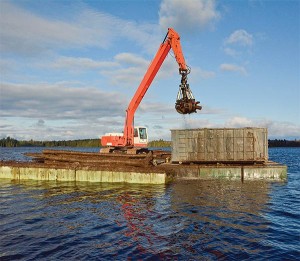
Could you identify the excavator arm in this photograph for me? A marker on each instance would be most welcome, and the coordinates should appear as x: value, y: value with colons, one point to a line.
x: 185, y: 103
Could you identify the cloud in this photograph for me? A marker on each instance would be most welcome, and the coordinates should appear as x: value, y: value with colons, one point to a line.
x: 132, y: 68
x: 156, y: 108
x: 231, y: 52
x: 239, y: 122
x: 57, y: 101
x: 81, y: 63
x: 276, y: 129
x: 281, y: 129
x: 202, y: 73
x: 188, y: 15
x: 60, y: 131
x: 40, y: 123
x: 195, y: 123
x: 240, y: 37
x: 131, y: 59
x: 233, y: 68
x: 238, y: 44
x: 124, y: 70
x: 7, y: 66
x: 31, y: 34
x: 57, y: 111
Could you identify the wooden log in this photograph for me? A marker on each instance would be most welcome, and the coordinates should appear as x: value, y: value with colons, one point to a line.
x: 92, y: 154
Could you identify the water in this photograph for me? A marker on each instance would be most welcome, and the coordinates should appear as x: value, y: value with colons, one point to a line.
x: 198, y: 220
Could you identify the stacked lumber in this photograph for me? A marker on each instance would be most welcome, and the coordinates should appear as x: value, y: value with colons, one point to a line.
x: 91, y: 159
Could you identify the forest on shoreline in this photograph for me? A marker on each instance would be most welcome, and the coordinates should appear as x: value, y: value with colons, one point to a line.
x: 10, y: 142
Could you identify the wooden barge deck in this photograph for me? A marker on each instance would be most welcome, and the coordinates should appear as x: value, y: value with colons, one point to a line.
x: 152, y: 168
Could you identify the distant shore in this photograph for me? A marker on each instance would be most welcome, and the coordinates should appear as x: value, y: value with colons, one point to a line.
x: 10, y: 142
x: 284, y: 143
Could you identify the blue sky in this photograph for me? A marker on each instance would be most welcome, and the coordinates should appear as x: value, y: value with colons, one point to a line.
x: 68, y: 69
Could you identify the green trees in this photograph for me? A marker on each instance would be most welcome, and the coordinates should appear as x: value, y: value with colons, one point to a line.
x: 159, y: 144
x: 9, y: 142
x: 284, y: 143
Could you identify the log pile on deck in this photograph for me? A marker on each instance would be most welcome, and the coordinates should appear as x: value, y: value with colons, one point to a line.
x: 90, y: 159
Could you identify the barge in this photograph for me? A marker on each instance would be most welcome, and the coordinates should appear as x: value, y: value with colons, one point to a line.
x: 233, y: 154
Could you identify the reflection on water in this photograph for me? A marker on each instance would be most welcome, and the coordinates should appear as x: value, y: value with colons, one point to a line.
x: 222, y: 211
x: 211, y: 219
x: 187, y: 220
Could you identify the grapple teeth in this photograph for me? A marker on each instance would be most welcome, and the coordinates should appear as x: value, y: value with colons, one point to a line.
x: 187, y: 106
x: 185, y: 102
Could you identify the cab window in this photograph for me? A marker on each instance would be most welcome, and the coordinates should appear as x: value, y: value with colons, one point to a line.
x: 143, y: 133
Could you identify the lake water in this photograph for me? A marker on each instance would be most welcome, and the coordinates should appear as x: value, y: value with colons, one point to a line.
x: 187, y: 220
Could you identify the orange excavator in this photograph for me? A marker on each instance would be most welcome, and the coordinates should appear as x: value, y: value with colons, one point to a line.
x: 185, y: 102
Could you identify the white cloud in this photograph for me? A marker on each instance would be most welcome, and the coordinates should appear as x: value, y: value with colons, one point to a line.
x: 195, y: 123
x: 238, y: 44
x: 57, y: 111
x: 240, y: 37
x: 187, y: 15
x: 131, y: 59
x: 231, y: 52
x: 40, y: 123
x: 202, y: 73
x: 125, y: 69
x: 233, y: 68
x: 132, y: 69
x: 281, y: 129
x: 56, y: 101
x: 276, y: 129
x: 30, y: 33
x: 81, y: 63
x: 156, y: 108
x: 239, y: 122
x: 26, y: 33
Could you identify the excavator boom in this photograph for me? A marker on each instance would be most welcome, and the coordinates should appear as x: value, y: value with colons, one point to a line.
x: 185, y: 103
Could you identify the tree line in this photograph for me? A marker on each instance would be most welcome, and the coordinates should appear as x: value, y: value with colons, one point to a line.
x: 11, y: 142
x: 284, y: 143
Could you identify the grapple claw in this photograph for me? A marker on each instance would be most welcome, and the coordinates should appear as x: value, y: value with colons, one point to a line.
x: 187, y: 106
x: 185, y: 102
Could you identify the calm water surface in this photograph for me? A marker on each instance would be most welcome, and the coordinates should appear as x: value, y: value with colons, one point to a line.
x: 198, y: 220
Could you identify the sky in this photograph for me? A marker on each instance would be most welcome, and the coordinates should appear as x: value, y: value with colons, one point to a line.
x: 68, y: 69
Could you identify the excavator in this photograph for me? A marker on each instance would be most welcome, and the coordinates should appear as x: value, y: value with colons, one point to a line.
x: 133, y: 139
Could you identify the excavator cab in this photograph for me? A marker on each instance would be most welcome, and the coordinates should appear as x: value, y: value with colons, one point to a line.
x: 140, y: 136
x: 185, y: 102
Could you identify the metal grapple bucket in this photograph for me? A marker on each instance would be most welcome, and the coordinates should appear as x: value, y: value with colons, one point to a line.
x: 187, y: 106
x: 185, y: 102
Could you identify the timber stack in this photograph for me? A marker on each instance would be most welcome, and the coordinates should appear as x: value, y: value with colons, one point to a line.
x: 97, y: 160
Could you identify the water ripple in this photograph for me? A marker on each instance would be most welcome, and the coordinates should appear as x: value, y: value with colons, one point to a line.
x: 206, y: 220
